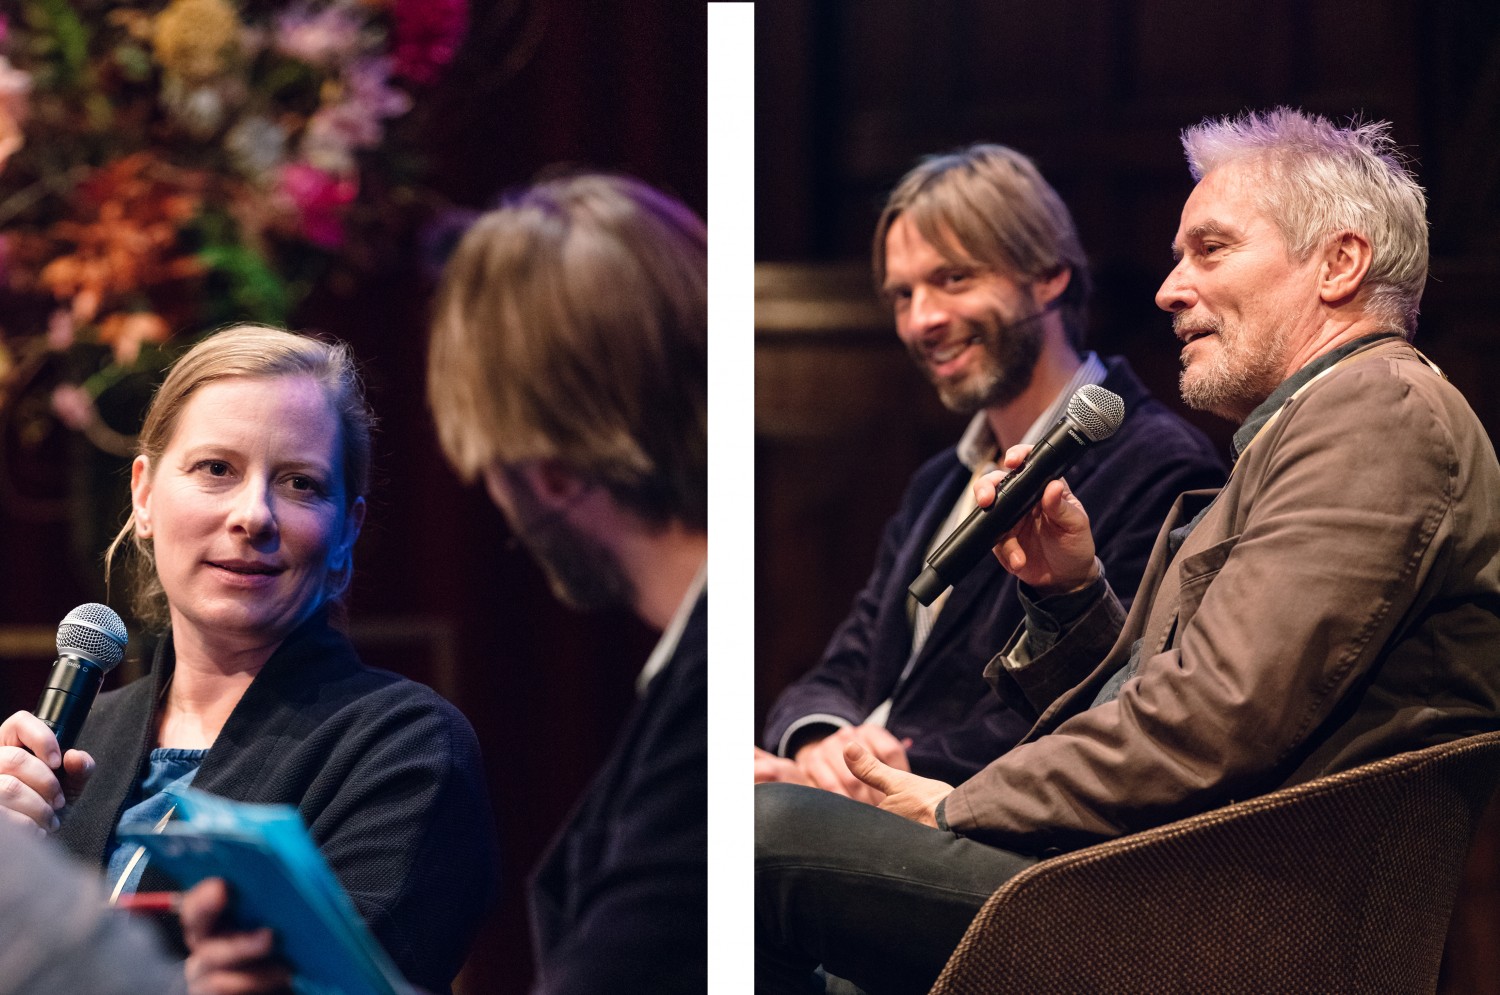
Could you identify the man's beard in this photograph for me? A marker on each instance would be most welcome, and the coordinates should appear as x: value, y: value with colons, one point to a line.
x: 1237, y: 377
x: 582, y: 573
x: 1010, y: 354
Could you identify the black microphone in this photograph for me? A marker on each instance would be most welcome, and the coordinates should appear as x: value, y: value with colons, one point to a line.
x: 1093, y: 415
x: 90, y: 643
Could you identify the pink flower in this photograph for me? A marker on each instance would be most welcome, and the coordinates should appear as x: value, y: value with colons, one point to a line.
x: 320, y: 199
x: 427, y: 36
x: 73, y: 405
x: 61, y: 330
x: 325, y: 38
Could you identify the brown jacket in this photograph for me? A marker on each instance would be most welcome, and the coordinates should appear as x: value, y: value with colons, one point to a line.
x: 1338, y: 603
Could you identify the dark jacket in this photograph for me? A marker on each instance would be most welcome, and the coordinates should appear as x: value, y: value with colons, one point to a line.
x: 1127, y: 483
x: 385, y: 773
x: 620, y: 902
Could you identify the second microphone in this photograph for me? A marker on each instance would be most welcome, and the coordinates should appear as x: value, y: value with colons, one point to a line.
x: 1093, y: 414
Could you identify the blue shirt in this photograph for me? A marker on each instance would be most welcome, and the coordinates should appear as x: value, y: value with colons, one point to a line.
x: 170, y: 768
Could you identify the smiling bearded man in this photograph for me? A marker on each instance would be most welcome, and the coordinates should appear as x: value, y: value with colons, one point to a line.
x: 978, y: 259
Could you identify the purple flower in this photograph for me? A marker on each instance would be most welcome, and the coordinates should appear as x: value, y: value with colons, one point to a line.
x: 334, y: 132
x: 73, y: 406
x: 368, y: 82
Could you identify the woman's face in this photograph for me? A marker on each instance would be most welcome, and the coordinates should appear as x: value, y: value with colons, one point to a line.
x: 246, y: 508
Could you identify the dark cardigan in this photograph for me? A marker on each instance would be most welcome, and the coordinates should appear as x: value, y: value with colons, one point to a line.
x: 956, y: 723
x: 385, y: 773
x: 620, y: 902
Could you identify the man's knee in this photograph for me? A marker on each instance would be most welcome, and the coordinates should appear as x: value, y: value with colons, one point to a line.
x: 782, y: 815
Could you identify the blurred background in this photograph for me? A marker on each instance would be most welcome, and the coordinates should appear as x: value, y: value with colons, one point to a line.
x: 148, y: 196
x: 849, y: 93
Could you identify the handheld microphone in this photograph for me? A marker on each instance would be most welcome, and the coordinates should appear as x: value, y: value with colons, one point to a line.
x: 90, y: 643
x: 1093, y: 414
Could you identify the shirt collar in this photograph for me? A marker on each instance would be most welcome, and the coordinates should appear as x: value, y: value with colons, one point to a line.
x: 667, y: 644
x: 977, y: 448
x: 1292, y: 384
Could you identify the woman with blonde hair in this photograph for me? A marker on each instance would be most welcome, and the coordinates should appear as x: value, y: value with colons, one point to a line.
x: 246, y: 499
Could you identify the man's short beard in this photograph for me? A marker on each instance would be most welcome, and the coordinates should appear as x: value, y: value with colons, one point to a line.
x: 582, y: 573
x: 1239, y: 376
x: 1011, y: 354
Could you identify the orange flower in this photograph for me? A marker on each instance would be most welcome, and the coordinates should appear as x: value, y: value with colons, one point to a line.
x: 11, y: 136
x: 129, y: 243
x: 15, y: 87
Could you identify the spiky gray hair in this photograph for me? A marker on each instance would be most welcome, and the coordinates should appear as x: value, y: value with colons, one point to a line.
x: 1318, y: 179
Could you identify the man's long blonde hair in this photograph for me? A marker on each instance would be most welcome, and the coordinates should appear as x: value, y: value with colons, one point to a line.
x: 571, y: 325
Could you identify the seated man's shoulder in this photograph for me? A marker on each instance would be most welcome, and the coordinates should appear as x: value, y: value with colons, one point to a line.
x: 1382, y: 423
x: 1390, y: 391
x: 680, y: 710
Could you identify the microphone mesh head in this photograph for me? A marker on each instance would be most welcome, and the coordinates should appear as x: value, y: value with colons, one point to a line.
x: 1097, y: 412
x: 95, y: 633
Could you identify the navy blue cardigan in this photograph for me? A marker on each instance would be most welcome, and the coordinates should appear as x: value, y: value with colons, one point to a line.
x: 1127, y: 484
x: 620, y: 902
x: 385, y: 773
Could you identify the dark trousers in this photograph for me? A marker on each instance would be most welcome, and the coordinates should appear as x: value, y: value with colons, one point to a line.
x: 872, y: 897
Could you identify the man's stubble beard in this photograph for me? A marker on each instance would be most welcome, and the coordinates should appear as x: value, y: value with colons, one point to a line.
x: 1238, y: 377
x: 1011, y: 353
x: 583, y: 574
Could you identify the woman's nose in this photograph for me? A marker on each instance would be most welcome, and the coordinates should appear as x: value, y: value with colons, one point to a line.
x: 252, y: 512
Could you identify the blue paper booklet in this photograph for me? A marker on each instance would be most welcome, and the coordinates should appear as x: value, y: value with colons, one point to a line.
x: 279, y: 879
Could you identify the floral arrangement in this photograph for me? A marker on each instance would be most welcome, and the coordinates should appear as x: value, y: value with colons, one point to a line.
x: 167, y: 167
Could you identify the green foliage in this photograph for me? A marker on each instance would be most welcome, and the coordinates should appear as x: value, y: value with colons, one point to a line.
x: 250, y: 285
x: 61, y: 35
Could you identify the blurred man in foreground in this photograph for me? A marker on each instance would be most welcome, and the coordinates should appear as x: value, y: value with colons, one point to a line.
x: 568, y: 369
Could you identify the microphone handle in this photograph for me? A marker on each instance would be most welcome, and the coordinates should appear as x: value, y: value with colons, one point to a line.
x: 1016, y: 495
x: 69, y: 695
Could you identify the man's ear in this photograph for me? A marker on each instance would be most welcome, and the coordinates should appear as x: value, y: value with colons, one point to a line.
x: 1346, y: 261
x: 553, y: 483
x: 1044, y: 292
